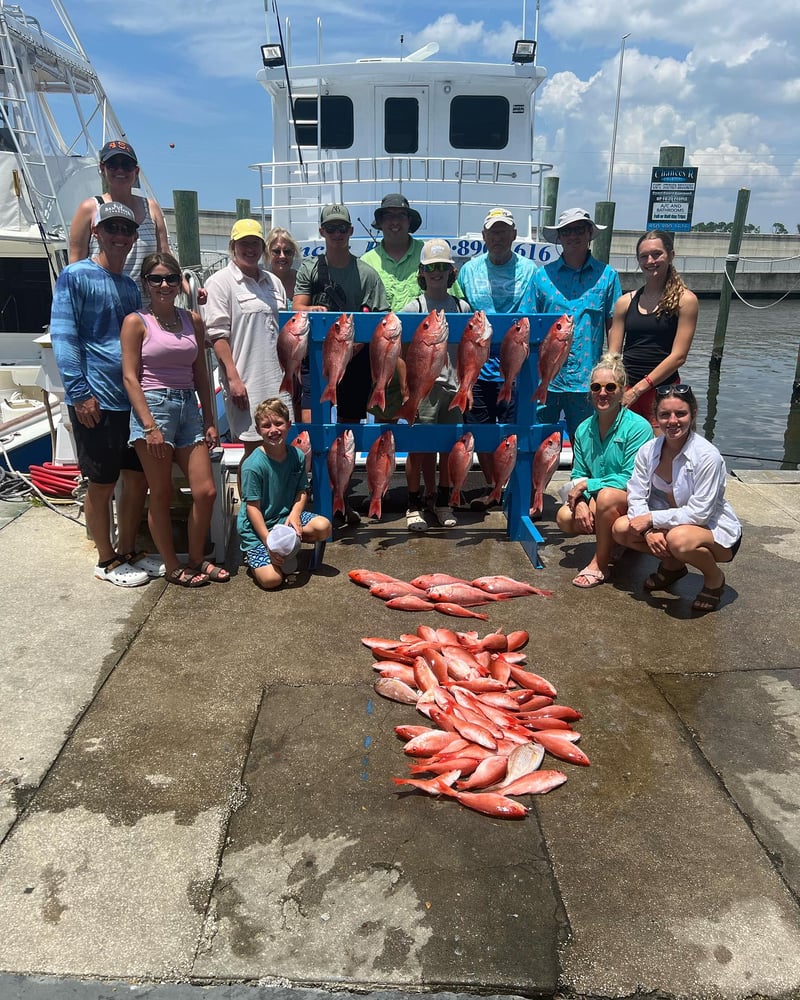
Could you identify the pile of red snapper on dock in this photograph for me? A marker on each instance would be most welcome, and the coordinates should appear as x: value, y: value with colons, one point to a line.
x: 494, y: 720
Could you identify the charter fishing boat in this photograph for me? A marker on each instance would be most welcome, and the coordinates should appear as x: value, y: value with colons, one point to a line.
x: 456, y: 138
x: 54, y: 118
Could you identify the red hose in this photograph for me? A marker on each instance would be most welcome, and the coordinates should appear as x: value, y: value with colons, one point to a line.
x: 55, y: 480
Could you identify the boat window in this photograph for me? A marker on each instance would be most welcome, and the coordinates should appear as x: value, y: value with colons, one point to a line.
x: 25, y: 292
x: 479, y: 122
x: 401, y: 125
x: 337, y: 122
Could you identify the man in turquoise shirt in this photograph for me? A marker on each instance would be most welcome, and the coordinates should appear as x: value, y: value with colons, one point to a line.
x: 497, y: 281
x: 585, y: 288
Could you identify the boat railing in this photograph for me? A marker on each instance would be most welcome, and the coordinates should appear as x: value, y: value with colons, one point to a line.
x: 451, y: 188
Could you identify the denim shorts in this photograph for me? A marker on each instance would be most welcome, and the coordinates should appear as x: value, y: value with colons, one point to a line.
x: 176, y: 414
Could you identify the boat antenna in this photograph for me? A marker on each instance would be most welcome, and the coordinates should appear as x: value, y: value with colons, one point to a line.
x: 366, y: 228
x: 289, y: 88
x: 402, y: 39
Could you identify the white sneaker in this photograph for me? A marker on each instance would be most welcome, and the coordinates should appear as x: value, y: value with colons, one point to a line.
x: 152, y: 565
x: 121, y: 574
x: 415, y: 521
x: 445, y: 516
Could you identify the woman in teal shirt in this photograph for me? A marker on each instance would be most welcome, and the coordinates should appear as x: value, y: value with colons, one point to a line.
x: 604, y: 449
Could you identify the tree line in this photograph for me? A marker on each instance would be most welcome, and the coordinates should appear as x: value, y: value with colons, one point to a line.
x: 778, y: 228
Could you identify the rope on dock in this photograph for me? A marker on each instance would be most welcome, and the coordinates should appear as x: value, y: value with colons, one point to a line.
x: 751, y: 305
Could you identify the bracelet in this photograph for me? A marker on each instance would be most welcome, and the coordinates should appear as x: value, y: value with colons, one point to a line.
x: 149, y: 430
x: 649, y: 381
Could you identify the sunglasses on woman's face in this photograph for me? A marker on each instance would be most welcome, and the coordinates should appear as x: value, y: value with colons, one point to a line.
x: 673, y: 390
x: 121, y: 163
x: 173, y: 280
x: 430, y: 268
x: 282, y: 252
x: 609, y: 387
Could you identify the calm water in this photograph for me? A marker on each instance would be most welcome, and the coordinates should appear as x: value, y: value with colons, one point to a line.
x: 751, y: 421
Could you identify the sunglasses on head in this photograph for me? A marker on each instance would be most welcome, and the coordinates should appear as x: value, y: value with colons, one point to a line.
x: 608, y: 386
x: 673, y: 390
x: 336, y: 227
x: 173, y: 280
x: 281, y: 252
x: 438, y: 266
x: 121, y: 163
x: 119, y: 228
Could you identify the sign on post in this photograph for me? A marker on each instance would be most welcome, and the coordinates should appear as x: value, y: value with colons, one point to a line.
x: 672, y: 198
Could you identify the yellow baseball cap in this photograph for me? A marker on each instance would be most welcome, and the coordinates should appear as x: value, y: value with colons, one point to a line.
x: 247, y: 227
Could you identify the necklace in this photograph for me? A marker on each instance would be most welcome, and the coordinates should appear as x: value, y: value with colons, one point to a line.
x: 171, y: 325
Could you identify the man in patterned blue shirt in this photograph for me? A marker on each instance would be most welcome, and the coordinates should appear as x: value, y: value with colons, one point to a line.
x: 498, y: 281
x: 585, y: 288
x: 90, y: 301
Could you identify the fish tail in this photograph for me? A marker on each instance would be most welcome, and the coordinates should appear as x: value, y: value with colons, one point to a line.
x: 338, y: 503
x: 459, y: 401
x: 540, y: 396
x: 408, y: 411
x: 375, y: 508
x: 377, y: 399
x: 329, y: 395
x: 287, y: 385
x: 455, y: 498
x: 505, y: 393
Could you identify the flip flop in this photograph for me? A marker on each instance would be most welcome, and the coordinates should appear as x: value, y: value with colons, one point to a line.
x: 708, y: 599
x: 594, y: 576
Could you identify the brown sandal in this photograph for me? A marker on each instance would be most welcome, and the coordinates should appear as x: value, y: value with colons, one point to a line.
x: 663, y: 578
x: 708, y: 599
x: 185, y: 576
x: 216, y: 574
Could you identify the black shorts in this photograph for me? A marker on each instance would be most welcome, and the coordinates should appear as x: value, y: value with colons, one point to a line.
x: 103, y: 450
x: 485, y: 408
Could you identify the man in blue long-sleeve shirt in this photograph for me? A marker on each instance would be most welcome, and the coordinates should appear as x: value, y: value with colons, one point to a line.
x: 91, y: 299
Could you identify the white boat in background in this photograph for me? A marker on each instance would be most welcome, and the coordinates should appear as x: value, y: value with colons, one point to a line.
x: 54, y: 119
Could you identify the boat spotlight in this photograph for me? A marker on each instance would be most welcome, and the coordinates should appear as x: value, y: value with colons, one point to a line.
x: 524, y: 51
x: 272, y: 55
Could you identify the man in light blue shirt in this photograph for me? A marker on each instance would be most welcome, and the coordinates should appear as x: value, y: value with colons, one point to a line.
x: 585, y: 288
x: 90, y: 301
x: 498, y: 281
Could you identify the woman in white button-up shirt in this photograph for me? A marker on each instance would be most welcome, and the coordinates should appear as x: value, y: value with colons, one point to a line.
x: 677, y: 509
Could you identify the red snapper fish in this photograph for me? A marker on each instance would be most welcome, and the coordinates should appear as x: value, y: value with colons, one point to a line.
x: 553, y: 353
x: 337, y: 349
x: 380, y: 467
x: 292, y: 347
x: 341, y: 462
x: 303, y: 442
x: 473, y: 350
x: 503, y: 461
x: 511, y: 588
x: 384, y: 350
x: 545, y: 463
x: 514, y: 351
x: 425, y: 358
x: 459, y: 462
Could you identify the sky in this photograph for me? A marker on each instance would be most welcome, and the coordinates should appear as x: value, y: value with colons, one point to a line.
x: 721, y: 79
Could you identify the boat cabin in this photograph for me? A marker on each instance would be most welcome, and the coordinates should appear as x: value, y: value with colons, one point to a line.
x: 455, y: 138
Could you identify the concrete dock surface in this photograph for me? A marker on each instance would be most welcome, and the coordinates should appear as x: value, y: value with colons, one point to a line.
x: 195, y: 786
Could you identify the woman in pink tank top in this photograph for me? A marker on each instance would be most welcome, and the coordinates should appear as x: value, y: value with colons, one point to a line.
x: 164, y: 370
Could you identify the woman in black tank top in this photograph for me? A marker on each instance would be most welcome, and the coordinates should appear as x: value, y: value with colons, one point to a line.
x: 654, y: 326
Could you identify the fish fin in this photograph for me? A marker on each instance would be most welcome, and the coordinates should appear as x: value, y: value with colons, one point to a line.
x: 329, y: 395
x: 375, y: 508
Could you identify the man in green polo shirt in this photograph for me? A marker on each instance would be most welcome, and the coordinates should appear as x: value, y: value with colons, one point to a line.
x: 396, y: 257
